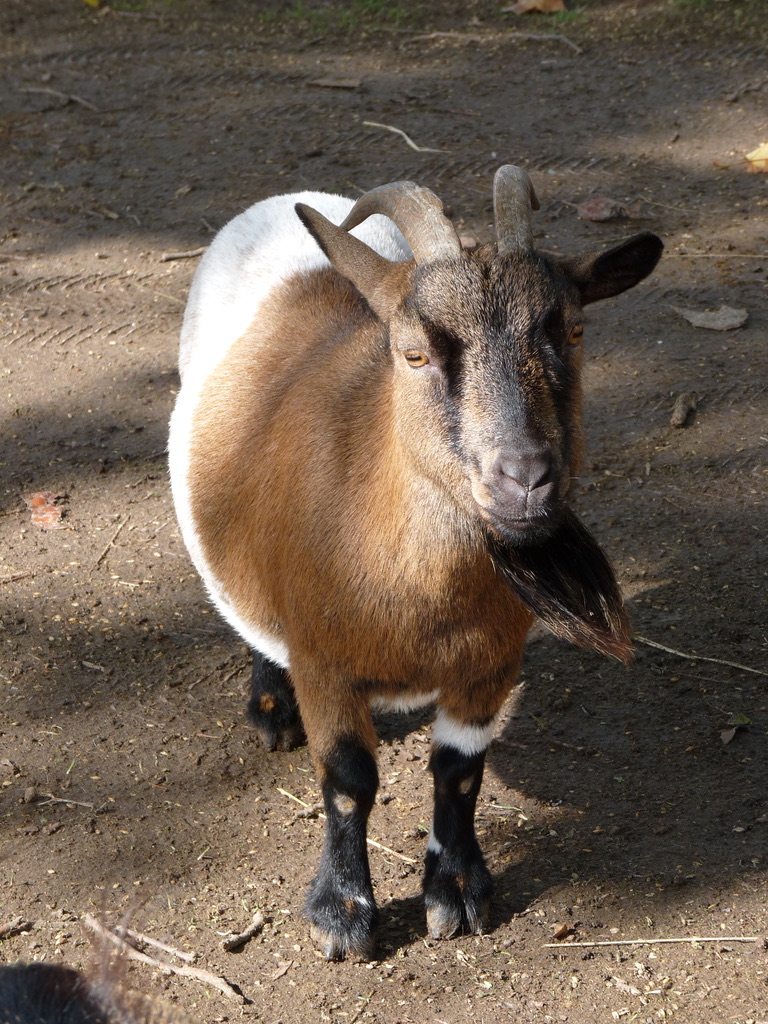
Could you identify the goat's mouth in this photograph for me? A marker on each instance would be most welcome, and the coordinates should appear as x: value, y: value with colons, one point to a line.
x: 523, y: 530
x: 520, y: 513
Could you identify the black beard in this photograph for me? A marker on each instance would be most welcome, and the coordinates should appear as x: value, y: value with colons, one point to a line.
x: 566, y: 579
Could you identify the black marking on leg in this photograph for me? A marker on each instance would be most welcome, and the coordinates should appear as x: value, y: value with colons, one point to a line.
x: 457, y: 884
x: 272, y: 707
x: 340, y: 905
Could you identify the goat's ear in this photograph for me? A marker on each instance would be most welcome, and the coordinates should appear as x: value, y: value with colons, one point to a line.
x: 379, y: 281
x: 601, y: 275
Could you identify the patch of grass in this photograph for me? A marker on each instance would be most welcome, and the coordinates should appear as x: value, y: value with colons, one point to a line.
x: 343, y: 18
x: 138, y: 6
x: 656, y: 21
x: 569, y: 17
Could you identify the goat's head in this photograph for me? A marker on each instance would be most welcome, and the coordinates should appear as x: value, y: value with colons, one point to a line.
x: 486, y: 346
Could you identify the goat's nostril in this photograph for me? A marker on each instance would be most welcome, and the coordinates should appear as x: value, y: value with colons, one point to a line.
x: 527, y: 471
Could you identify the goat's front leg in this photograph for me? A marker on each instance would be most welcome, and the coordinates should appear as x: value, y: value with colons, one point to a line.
x: 457, y: 884
x: 340, y: 905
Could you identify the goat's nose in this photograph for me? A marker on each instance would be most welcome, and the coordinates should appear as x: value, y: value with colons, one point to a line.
x: 525, y: 471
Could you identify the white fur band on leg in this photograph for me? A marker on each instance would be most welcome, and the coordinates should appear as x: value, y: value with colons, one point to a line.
x: 434, y: 845
x: 468, y: 739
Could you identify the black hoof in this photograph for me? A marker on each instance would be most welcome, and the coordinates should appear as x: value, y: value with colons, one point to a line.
x: 342, y: 927
x: 456, y: 901
x: 272, y: 707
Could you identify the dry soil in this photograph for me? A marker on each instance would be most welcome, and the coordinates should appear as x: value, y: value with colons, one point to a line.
x: 619, y: 804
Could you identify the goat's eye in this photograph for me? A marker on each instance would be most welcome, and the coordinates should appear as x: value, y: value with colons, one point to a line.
x: 416, y: 358
x: 576, y: 335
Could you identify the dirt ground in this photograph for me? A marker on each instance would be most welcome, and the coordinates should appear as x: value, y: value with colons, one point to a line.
x: 619, y: 804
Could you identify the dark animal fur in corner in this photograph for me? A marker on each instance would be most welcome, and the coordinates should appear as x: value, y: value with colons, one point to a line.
x: 569, y: 583
x: 43, y: 993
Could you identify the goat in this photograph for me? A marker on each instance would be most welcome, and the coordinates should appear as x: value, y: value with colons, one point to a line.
x: 371, y: 455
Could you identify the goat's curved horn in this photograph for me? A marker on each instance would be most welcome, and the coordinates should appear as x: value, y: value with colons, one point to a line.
x: 513, y: 200
x: 417, y: 212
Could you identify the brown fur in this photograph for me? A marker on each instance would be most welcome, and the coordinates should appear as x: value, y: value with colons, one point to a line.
x: 372, y: 579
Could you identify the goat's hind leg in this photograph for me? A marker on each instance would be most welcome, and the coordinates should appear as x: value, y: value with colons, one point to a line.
x: 457, y: 883
x: 272, y: 707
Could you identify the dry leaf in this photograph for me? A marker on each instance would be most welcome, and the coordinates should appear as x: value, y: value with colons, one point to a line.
x: 757, y: 160
x: 562, y: 932
x: 726, y: 318
x: 603, y: 208
x: 45, y: 514
x: 283, y: 969
x: 542, y: 6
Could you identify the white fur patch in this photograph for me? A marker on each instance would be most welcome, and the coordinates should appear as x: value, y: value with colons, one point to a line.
x: 468, y: 739
x: 250, y: 257
x: 404, y: 703
x: 434, y: 845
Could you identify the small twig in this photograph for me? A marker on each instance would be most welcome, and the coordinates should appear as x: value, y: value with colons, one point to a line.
x: 143, y: 15
x: 465, y: 37
x: 477, y: 37
x: 51, y: 799
x: 145, y: 940
x: 732, y: 163
x: 386, y: 849
x: 408, y: 141
x: 294, y: 798
x: 720, y: 255
x: 67, y: 97
x: 232, y: 674
x: 371, y: 842
x: 253, y: 929
x: 364, y: 1001
x: 14, y: 927
x: 111, y: 541
x: 699, y: 657
x: 93, y: 666
x: 549, y: 35
x: 651, y: 942
x: 25, y: 574
x: 563, y: 745
x: 191, y: 255
x: 185, y: 972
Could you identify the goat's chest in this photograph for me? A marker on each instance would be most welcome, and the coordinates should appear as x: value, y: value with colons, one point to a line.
x: 423, y: 626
